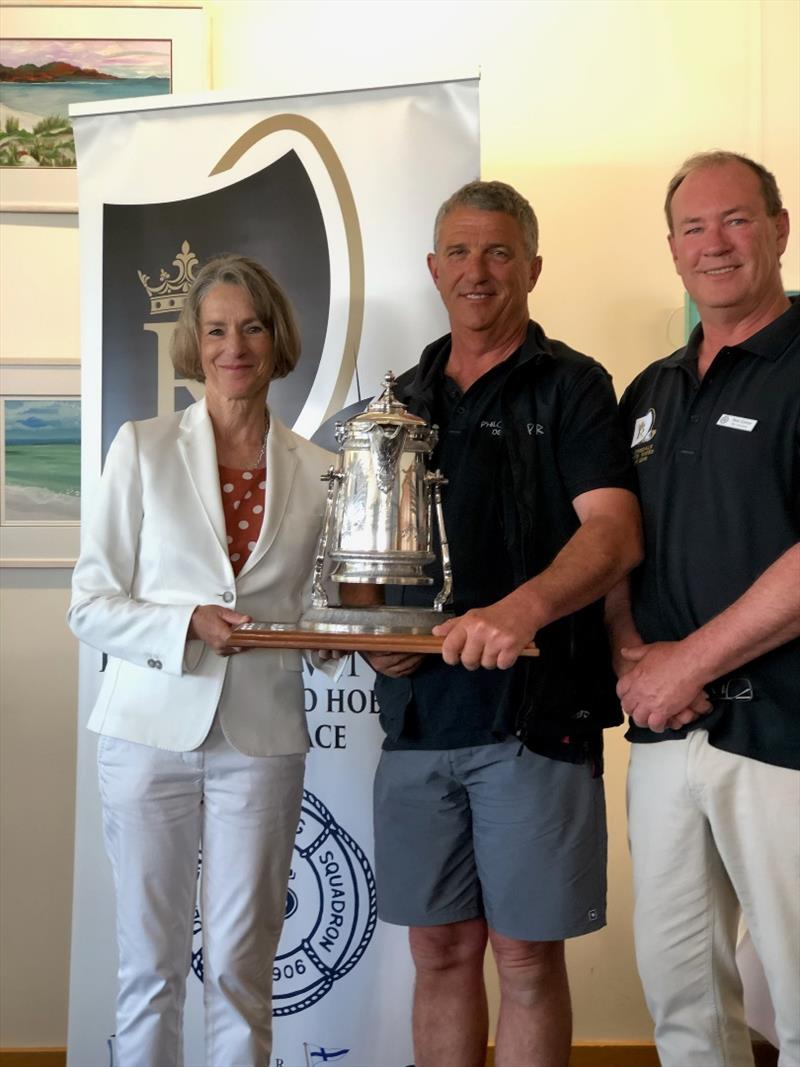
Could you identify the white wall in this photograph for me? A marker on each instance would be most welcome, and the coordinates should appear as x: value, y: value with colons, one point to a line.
x: 587, y: 106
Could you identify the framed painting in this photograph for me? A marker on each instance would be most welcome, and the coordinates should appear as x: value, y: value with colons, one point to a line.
x: 40, y: 464
x: 53, y: 56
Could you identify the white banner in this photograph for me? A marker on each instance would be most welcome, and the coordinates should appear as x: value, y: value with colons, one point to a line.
x: 336, y: 194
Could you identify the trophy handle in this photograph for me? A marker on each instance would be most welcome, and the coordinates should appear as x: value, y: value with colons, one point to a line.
x: 319, y: 598
x: 445, y: 594
x: 429, y: 538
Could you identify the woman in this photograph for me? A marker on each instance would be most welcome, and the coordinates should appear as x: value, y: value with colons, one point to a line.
x: 205, y: 519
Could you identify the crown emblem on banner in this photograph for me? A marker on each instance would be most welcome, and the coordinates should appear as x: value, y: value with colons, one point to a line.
x: 170, y: 295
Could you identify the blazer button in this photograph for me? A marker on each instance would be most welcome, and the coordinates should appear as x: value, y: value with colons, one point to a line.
x: 151, y: 663
x: 227, y: 596
x: 157, y: 664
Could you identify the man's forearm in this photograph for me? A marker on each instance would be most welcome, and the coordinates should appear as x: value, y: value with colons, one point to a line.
x: 601, y: 552
x: 666, y: 678
x: 606, y: 545
x: 762, y: 618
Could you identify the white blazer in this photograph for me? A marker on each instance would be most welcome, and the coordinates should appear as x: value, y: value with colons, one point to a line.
x: 156, y: 548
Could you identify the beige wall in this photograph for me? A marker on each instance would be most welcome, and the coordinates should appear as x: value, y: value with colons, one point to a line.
x: 37, y: 785
x: 587, y: 106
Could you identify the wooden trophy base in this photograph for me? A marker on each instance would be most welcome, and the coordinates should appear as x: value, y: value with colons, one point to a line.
x: 279, y: 635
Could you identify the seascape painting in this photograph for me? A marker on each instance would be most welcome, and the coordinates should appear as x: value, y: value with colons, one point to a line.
x: 41, y: 475
x: 40, y: 78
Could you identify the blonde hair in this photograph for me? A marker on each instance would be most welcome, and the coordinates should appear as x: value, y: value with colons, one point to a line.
x: 270, y: 303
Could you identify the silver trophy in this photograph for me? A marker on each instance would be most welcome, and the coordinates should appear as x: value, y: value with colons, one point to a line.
x: 377, y: 531
x: 378, y: 527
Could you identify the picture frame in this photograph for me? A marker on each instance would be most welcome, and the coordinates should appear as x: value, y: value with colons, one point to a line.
x: 39, y: 463
x: 55, y: 189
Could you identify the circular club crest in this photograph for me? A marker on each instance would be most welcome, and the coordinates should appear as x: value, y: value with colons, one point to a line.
x: 331, y: 912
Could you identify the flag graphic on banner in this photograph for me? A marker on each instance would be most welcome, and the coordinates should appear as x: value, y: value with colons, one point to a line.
x: 318, y: 1054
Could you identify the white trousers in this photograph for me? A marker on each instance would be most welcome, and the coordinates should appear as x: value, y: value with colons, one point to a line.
x: 159, y: 807
x: 711, y: 833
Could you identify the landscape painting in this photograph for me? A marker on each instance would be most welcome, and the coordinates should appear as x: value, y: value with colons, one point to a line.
x: 40, y: 78
x: 41, y: 470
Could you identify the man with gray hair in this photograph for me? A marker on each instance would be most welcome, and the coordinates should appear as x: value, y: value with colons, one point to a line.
x: 489, y: 810
x: 707, y: 637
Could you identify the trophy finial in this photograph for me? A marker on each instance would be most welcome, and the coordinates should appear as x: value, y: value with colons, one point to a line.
x: 384, y: 408
x: 387, y: 400
x: 386, y: 403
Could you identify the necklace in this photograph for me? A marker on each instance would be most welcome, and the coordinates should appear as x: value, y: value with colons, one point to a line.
x: 263, y: 450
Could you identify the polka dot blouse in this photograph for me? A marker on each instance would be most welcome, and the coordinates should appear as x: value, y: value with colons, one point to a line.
x: 243, y: 496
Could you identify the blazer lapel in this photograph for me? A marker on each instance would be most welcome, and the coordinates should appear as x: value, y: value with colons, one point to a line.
x: 281, y: 468
x: 196, y: 443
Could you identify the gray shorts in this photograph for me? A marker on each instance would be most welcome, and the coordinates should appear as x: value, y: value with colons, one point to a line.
x: 490, y: 832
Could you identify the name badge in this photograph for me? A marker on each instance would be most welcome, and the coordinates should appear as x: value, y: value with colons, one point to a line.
x: 737, y: 422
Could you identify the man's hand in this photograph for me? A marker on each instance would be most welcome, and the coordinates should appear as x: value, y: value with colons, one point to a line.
x: 487, y: 637
x: 661, y: 689
x: 213, y: 625
x: 394, y: 664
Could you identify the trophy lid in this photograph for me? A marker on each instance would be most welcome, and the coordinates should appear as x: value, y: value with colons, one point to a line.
x: 387, y: 409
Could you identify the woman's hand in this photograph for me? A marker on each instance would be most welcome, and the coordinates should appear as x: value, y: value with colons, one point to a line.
x: 213, y: 625
x: 394, y: 664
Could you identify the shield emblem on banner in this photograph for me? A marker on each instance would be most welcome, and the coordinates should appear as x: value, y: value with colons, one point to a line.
x: 151, y: 253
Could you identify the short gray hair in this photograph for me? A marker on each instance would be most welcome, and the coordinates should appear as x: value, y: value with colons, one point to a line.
x: 769, y: 186
x: 270, y: 303
x: 493, y: 196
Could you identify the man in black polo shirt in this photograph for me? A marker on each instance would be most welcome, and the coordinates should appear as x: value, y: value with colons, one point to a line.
x: 709, y: 660
x: 477, y: 835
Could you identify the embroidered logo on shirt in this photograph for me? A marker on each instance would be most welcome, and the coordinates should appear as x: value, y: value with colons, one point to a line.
x: 737, y: 422
x: 495, y: 427
x: 644, y: 429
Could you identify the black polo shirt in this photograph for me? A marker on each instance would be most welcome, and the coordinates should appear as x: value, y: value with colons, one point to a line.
x: 577, y: 436
x: 718, y: 467
x: 451, y: 706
